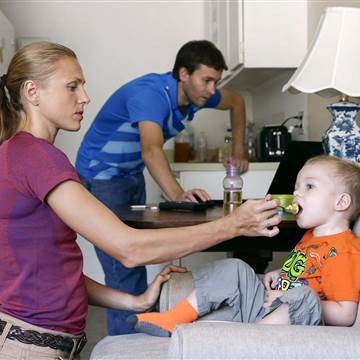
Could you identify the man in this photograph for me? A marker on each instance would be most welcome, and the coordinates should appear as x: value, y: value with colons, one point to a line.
x: 129, y: 132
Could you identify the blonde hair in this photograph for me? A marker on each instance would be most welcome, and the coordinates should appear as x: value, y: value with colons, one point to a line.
x: 36, y: 61
x: 348, y: 174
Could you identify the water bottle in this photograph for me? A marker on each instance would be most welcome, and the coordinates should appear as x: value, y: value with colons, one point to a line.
x: 232, y: 184
x: 251, y: 142
x: 201, y: 147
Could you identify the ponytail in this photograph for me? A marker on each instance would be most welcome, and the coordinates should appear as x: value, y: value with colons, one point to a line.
x: 9, y: 119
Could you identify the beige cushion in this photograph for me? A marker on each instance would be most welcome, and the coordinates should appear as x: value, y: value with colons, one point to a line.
x: 133, y: 346
x: 229, y: 340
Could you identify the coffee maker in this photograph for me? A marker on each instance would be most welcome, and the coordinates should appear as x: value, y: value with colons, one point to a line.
x: 273, y: 142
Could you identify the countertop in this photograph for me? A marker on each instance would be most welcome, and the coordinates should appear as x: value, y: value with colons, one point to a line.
x: 193, y: 166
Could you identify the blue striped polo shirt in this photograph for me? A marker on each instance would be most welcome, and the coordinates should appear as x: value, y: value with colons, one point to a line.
x: 111, y: 147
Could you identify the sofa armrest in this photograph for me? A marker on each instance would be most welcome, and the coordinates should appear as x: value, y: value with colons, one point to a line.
x: 228, y: 340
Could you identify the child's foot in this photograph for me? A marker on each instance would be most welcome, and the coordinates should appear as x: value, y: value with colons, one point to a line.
x: 144, y: 324
x: 163, y: 324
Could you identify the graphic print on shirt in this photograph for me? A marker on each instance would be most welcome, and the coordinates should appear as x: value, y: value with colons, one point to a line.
x: 293, y: 268
x: 304, y: 265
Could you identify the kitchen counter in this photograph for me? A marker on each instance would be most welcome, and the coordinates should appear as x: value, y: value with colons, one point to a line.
x: 209, y: 176
x: 193, y: 166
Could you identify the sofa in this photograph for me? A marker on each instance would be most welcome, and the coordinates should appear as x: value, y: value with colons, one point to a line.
x: 209, y: 339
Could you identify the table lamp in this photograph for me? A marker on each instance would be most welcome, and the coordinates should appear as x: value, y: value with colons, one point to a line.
x: 332, y: 67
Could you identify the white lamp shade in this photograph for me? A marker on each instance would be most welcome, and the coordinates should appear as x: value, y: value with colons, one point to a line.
x: 332, y: 63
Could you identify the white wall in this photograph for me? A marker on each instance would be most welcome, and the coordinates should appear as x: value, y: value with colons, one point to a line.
x: 115, y: 42
x: 272, y: 106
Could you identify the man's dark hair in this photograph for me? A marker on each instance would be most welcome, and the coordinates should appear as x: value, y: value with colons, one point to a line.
x: 198, y: 52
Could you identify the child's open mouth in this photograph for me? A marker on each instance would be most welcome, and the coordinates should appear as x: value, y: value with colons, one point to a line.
x: 299, y: 210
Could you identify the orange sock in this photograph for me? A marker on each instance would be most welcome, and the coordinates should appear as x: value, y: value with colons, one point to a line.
x: 162, y: 324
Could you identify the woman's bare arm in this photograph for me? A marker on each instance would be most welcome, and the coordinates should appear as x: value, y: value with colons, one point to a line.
x: 100, y: 295
x: 86, y: 215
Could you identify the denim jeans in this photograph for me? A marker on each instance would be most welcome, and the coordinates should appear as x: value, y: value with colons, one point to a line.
x: 128, y: 190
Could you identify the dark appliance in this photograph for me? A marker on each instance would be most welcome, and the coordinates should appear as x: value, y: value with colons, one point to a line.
x: 273, y: 140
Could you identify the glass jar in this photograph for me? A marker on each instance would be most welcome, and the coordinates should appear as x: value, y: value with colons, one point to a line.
x: 182, y: 147
x: 189, y: 130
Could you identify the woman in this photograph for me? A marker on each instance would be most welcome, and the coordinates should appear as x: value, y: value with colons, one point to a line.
x: 43, y: 206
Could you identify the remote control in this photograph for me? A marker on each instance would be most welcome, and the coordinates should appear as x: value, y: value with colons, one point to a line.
x: 184, y: 206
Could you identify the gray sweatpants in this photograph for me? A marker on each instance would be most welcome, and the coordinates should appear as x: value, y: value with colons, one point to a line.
x: 229, y: 290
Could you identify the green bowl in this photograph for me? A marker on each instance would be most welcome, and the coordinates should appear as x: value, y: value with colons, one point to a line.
x: 285, y: 200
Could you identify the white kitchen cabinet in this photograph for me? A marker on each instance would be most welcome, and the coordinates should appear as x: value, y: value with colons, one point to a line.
x: 224, y: 28
x: 258, y: 34
x: 210, y: 176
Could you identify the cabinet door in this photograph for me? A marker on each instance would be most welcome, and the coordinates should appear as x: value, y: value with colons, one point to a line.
x: 225, y: 30
x: 275, y: 33
x: 235, y: 33
x: 258, y: 34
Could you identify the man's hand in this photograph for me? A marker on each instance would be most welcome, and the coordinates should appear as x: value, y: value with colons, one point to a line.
x: 150, y: 296
x: 189, y: 195
x: 257, y: 218
x: 243, y: 162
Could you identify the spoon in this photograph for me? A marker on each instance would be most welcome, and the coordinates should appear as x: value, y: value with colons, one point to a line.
x: 291, y: 209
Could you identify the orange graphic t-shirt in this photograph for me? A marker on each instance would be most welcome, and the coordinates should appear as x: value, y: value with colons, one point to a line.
x: 330, y: 265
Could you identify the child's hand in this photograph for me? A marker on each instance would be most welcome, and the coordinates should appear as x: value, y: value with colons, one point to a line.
x: 270, y: 296
x: 150, y: 296
x: 270, y: 279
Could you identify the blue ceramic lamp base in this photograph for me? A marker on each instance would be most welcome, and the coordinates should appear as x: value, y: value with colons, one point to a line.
x: 342, y: 138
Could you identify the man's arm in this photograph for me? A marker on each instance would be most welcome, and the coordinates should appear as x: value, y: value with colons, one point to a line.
x: 234, y: 102
x: 154, y: 157
x: 339, y: 313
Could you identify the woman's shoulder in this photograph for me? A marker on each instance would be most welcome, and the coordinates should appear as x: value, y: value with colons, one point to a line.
x: 24, y: 142
x: 23, y: 137
x: 24, y: 147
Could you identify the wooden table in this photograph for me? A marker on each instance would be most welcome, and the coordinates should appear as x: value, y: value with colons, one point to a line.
x: 257, y: 251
